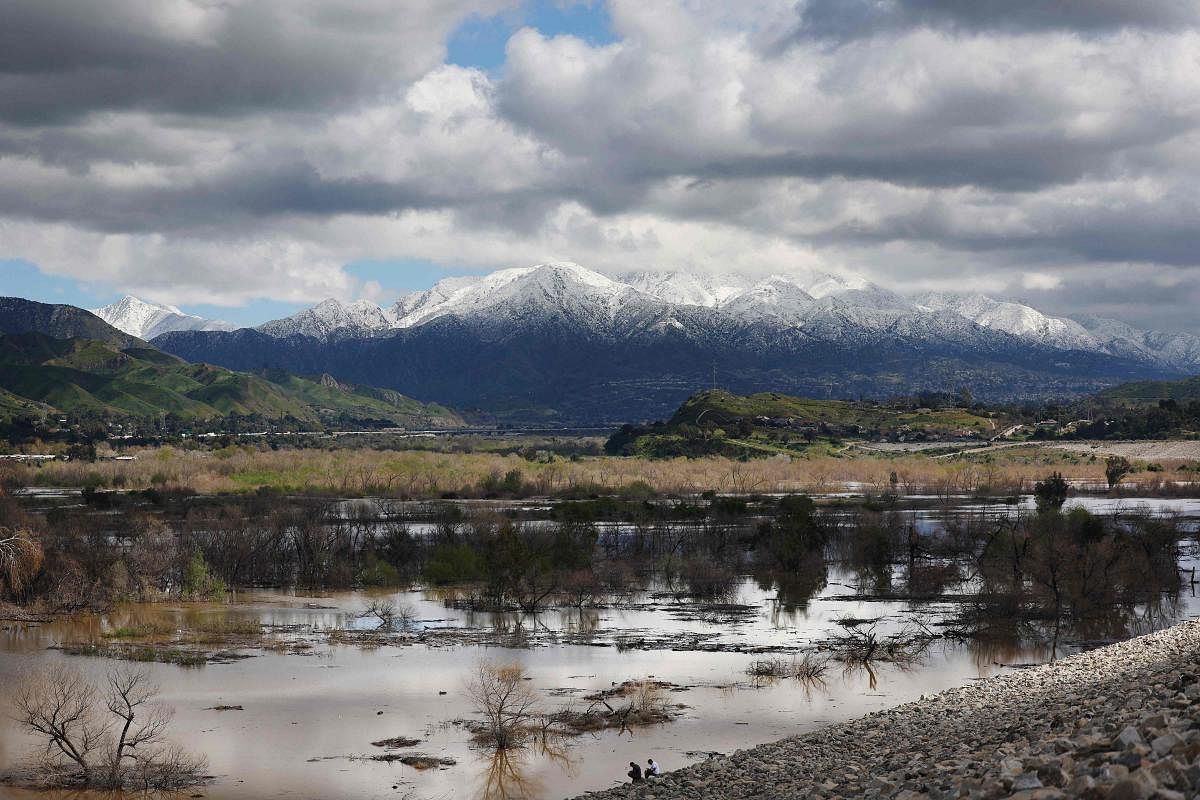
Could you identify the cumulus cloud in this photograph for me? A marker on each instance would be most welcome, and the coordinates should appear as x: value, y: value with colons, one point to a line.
x: 218, y: 152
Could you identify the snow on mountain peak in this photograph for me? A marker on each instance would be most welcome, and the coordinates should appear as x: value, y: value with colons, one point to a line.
x: 821, y: 303
x: 147, y: 320
x: 1015, y: 318
x: 561, y: 284
x: 687, y: 288
x: 332, y: 316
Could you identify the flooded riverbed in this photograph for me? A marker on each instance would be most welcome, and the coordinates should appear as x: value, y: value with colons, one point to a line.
x: 311, y: 704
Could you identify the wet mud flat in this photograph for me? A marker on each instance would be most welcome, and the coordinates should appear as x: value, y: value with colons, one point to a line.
x: 1121, y: 721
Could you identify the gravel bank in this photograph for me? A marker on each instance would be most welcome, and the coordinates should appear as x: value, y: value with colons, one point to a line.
x: 1145, y: 450
x: 1121, y: 722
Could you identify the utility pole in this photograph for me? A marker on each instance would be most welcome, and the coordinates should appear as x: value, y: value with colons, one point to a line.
x: 714, y: 365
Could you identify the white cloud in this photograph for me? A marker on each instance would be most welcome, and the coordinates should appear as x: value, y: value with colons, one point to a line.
x: 1040, y: 280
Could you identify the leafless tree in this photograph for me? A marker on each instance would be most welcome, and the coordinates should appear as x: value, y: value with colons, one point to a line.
x: 114, y: 739
x: 59, y: 706
x: 509, y: 705
x: 141, y: 720
x: 390, y: 617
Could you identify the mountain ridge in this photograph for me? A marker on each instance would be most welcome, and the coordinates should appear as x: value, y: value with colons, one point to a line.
x: 145, y: 320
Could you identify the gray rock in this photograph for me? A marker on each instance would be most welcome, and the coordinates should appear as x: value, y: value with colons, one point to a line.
x: 1128, y: 737
x: 1163, y: 745
x: 1028, y: 780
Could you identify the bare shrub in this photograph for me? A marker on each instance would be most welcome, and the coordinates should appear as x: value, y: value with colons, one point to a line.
x: 860, y: 648
x: 114, y: 738
x: 768, y: 668
x: 634, y: 702
x: 808, y: 668
x: 509, y: 705
x: 647, y: 700
x: 390, y: 616
x: 20, y: 560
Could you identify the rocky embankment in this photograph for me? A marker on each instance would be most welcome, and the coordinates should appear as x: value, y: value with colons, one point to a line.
x: 1121, y: 722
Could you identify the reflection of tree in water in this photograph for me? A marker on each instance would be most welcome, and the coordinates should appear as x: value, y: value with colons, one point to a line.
x: 1009, y: 647
x: 1053, y: 582
x: 1013, y: 634
x: 852, y: 669
x: 583, y: 621
x: 505, y: 777
x: 508, y: 774
x: 793, y: 589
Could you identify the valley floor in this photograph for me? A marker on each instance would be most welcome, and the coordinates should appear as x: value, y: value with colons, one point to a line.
x: 1121, y: 721
x: 997, y: 470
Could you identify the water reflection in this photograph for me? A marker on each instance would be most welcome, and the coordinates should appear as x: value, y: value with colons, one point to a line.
x: 506, y: 775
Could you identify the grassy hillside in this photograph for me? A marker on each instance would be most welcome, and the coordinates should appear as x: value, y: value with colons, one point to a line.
x: 1150, y: 392
x: 84, y: 376
x: 18, y: 315
x: 718, y: 407
x: 328, y: 395
x: 718, y: 422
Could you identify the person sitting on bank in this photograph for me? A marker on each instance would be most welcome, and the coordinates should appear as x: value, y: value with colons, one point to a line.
x: 652, y: 770
x: 635, y: 773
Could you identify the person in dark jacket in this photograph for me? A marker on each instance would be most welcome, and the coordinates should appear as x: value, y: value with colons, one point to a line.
x: 635, y: 772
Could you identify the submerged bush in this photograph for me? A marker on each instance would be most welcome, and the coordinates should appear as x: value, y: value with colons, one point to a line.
x: 796, y: 532
x: 199, y: 582
x: 1051, y: 493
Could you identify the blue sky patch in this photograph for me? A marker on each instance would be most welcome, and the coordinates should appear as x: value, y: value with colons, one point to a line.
x: 480, y: 41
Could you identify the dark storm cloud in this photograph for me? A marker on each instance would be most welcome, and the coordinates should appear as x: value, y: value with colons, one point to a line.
x: 1141, y: 296
x: 842, y: 20
x: 1161, y: 231
x: 231, y: 200
x: 62, y: 59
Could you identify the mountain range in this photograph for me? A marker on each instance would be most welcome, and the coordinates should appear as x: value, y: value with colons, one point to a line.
x: 559, y: 341
x: 61, y: 359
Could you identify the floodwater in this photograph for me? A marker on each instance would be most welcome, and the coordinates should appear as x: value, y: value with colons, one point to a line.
x: 309, y: 717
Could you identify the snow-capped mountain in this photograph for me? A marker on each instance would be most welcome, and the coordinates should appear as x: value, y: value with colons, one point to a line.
x: 822, y: 305
x: 560, y: 339
x: 1118, y: 338
x: 332, y: 318
x: 1014, y: 318
x: 688, y: 289
x: 147, y: 320
x: 559, y: 293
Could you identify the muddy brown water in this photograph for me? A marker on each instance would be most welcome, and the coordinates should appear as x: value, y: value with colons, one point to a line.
x: 308, y: 717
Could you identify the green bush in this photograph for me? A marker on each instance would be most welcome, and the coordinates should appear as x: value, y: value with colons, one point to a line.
x: 1050, y: 494
x: 453, y: 563
x: 198, y: 581
x: 378, y: 572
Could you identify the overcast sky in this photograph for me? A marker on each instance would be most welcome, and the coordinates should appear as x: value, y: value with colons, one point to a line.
x: 248, y: 156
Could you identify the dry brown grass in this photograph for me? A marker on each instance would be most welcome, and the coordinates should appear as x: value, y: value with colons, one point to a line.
x: 432, y: 474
